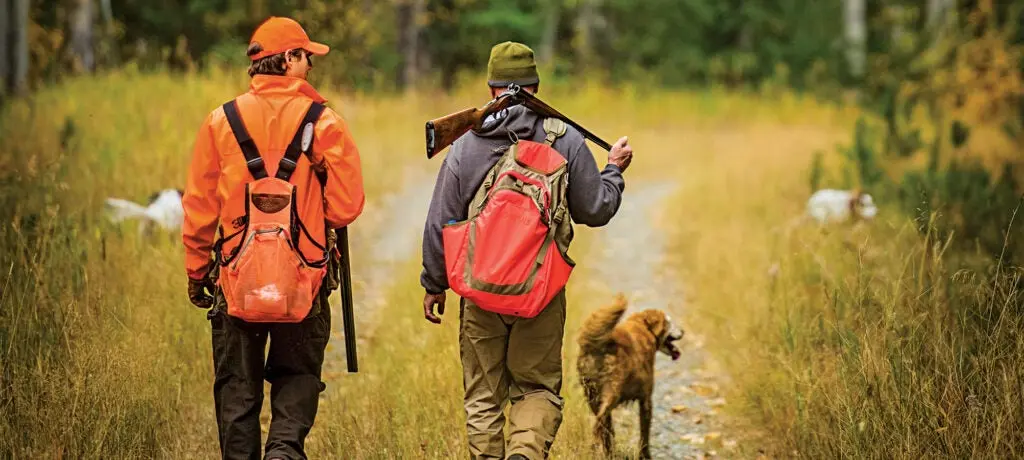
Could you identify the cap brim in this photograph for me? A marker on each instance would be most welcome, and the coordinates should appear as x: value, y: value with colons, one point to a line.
x: 318, y: 49
x: 519, y: 81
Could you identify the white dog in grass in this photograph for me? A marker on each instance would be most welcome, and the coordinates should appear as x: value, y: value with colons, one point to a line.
x: 164, y: 210
x: 835, y: 206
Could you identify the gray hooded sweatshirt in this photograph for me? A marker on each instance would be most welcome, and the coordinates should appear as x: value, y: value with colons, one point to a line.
x: 593, y: 196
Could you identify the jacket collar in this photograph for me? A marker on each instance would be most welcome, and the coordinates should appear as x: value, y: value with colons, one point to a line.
x: 273, y: 84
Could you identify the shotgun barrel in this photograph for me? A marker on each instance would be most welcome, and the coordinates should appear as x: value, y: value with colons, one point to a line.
x: 348, y: 316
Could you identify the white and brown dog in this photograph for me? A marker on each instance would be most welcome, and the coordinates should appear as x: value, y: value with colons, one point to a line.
x: 828, y: 206
x: 164, y: 210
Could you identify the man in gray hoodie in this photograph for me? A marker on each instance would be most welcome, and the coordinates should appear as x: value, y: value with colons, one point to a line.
x: 506, y: 358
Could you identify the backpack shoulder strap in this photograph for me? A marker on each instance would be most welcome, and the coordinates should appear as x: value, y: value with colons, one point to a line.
x: 253, y: 161
x: 553, y: 129
x: 301, y: 143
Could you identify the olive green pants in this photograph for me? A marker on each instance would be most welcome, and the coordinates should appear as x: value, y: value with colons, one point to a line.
x: 509, y: 359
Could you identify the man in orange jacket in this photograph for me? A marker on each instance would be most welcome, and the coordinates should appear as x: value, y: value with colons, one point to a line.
x: 269, y: 121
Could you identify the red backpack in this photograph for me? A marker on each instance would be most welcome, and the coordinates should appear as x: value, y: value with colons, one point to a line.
x: 509, y: 255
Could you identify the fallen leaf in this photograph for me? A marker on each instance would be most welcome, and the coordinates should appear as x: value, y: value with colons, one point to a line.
x: 697, y: 420
x: 693, y: 438
x: 717, y: 402
x: 704, y: 389
x: 713, y: 437
x: 678, y: 409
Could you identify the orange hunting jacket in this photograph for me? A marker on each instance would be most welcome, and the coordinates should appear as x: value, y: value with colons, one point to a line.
x: 215, y: 189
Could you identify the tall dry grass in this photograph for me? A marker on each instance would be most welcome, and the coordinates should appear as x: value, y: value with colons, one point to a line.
x: 100, y: 351
x: 858, y: 343
x: 863, y: 341
x: 102, y: 355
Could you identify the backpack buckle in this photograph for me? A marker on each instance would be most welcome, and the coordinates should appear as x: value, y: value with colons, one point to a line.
x: 287, y: 165
x: 254, y: 164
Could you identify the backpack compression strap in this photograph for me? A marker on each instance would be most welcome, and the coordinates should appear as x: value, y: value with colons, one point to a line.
x: 252, y: 154
x: 553, y: 129
x: 304, y: 135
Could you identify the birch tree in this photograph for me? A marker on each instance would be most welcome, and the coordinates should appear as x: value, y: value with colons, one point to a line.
x: 855, y: 33
x: 549, y: 38
x: 410, y: 13
x: 81, y: 28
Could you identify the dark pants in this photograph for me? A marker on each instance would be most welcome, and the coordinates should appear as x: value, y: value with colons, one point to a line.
x: 292, y: 366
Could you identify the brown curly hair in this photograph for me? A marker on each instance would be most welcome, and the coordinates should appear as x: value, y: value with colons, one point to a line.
x: 273, y: 64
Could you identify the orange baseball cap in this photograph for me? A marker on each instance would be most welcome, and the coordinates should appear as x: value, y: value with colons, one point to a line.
x: 277, y: 35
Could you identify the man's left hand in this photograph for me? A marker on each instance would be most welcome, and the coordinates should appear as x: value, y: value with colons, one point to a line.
x: 429, y: 300
x: 200, y: 292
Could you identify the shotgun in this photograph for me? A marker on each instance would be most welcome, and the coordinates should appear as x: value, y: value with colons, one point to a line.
x: 442, y: 132
x: 345, y: 269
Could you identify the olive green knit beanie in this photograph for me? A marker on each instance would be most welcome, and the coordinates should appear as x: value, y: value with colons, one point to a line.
x: 511, y: 62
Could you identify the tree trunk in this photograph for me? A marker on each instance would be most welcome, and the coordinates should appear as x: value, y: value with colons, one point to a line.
x: 81, y: 35
x: 371, y: 11
x: 19, y: 26
x: 549, y: 37
x: 855, y: 31
x: 258, y: 10
x: 403, y: 15
x: 409, y: 14
x: 5, y: 57
x: 585, y: 34
x: 107, y: 12
x: 935, y: 14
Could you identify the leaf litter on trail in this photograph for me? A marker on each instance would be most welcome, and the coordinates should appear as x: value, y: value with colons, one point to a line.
x: 704, y: 388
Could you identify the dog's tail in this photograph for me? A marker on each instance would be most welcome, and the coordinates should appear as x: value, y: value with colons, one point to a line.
x: 118, y: 210
x: 597, y: 329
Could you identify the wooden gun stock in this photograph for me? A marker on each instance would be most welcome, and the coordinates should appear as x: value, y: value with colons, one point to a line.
x: 441, y: 132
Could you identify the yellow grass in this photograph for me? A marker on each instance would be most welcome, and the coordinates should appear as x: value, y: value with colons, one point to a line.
x: 840, y: 353
x: 858, y: 341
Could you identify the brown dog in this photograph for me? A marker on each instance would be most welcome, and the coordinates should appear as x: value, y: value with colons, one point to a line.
x: 616, y: 364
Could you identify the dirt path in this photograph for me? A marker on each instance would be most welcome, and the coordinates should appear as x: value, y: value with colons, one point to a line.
x: 393, y: 233
x: 686, y: 400
x: 629, y: 260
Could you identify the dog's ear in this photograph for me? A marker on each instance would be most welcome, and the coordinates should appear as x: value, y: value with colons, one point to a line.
x: 854, y: 200
x: 655, y: 321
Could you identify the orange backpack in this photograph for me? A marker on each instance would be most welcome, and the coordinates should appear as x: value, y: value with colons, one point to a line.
x: 266, y: 278
x: 509, y: 255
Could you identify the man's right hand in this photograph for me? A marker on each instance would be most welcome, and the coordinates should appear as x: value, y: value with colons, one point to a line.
x: 621, y: 154
x: 429, y: 300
